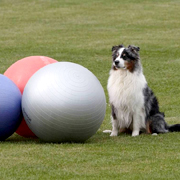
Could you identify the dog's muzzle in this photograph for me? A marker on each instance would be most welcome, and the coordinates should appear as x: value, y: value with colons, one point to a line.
x: 118, y: 65
x: 116, y: 62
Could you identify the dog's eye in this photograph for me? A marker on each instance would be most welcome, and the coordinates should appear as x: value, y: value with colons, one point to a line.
x: 124, y: 56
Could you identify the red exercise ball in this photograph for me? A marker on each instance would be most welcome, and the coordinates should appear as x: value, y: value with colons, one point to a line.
x: 20, y: 72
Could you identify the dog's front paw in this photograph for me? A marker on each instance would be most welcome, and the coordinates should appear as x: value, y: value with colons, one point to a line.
x: 114, y: 133
x: 135, y: 133
x: 154, y: 134
x: 107, y: 131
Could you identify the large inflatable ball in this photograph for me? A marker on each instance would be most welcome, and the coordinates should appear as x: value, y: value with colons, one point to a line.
x: 10, y: 107
x: 64, y: 102
x: 19, y: 73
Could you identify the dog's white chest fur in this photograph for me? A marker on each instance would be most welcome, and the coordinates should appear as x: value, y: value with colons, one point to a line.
x: 126, y: 94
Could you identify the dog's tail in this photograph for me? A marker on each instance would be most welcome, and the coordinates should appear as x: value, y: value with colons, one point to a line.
x: 174, y: 128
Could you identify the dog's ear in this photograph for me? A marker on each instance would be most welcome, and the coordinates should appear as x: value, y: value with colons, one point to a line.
x: 115, y: 48
x: 134, y: 48
x: 133, y: 52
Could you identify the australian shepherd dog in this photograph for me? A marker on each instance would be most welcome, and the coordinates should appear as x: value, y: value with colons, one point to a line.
x: 134, y: 106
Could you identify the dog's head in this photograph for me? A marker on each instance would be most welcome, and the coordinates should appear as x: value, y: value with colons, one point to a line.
x: 125, y: 58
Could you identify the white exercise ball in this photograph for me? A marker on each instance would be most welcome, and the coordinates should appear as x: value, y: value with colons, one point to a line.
x: 64, y: 102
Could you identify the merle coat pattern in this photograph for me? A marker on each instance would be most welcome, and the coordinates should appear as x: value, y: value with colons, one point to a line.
x: 134, y: 105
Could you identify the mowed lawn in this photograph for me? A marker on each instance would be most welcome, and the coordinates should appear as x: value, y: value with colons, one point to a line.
x: 84, y: 32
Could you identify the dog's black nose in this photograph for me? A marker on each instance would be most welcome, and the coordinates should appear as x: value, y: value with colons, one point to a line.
x: 116, y: 62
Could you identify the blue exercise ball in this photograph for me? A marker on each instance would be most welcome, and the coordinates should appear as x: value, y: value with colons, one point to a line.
x: 64, y: 102
x: 10, y: 107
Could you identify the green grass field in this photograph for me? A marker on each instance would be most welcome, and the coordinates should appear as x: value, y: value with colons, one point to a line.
x: 83, y: 32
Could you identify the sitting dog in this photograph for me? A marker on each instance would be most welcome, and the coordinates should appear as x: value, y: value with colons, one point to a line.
x: 133, y: 104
